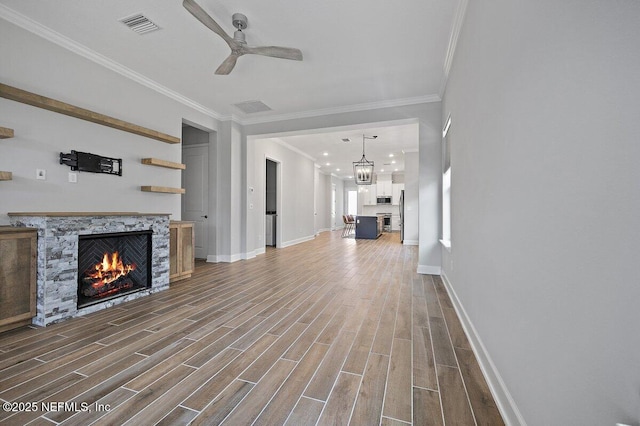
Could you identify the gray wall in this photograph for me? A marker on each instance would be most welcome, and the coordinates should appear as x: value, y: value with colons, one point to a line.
x: 544, y: 98
x: 193, y: 136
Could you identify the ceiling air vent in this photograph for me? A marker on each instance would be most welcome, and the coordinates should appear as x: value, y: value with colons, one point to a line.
x: 139, y: 23
x: 251, y: 107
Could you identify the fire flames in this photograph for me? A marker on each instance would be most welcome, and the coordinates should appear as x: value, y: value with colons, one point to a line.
x: 109, y: 270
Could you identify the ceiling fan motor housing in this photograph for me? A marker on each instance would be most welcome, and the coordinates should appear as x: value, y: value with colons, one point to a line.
x: 239, y: 21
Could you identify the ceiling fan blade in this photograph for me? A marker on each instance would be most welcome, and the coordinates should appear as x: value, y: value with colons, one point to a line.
x: 207, y: 20
x: 228, y: 64
x: 275, y: 52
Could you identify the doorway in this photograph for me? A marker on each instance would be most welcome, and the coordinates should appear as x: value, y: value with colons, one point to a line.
x: 195, y: 179
x: 271, y: 203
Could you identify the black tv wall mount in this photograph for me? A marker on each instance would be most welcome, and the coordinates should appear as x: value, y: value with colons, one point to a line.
x: 85, y: 162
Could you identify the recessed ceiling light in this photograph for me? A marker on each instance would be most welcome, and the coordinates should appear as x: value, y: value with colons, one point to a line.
x: 328, y: 164
x: 350, y: 177
x: 395, y: 170
x: 337, y: 170
x: 390, y: 155
x: 325, y: 153
x: 393, y: 162
x: 382, y: 170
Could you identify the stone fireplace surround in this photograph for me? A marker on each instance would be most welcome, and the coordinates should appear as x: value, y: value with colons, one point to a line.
x: 57, y: 275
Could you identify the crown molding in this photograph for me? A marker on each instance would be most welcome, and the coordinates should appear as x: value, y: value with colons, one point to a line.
x: 47, y: 33
x: 456, y: 29
x: 344, y: 109
x: 294, y: 149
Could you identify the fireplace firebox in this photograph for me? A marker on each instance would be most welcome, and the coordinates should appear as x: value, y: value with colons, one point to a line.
x: 112, y: 265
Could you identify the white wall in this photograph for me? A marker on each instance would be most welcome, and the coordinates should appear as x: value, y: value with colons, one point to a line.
x: 544, y: 98
x: 429, y: 177
x: 411, y: 194
x: 36, y: 65
x: 295, y: 214
x: 340, y: 205
x: 323, y: 201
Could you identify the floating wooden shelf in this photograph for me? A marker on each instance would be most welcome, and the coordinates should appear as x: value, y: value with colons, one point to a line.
x: 29, y: 98
x: 163, y: 163
x: 6, y: 133
x: 164, y: 189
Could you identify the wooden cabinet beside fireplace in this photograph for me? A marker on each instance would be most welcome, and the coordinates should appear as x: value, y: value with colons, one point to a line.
x: 18, y: 247
x: 181, y: 254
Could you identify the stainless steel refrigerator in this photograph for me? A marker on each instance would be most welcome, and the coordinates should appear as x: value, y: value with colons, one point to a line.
x: 401, y: 206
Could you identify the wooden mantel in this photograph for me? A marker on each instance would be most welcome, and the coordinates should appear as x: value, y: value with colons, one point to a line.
x: 33, y: 99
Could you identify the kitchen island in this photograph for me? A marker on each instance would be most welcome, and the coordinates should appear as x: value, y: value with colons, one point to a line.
x: 369, y: 227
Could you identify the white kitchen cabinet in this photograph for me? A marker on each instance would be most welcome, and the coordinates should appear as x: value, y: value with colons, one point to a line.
x: 395, y: 196
x: 384, y: 188
x: 368, y: 194
x: 372, y: 195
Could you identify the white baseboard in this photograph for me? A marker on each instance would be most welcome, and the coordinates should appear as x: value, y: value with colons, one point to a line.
x: 506, y: 405
x: 429, y: 270
x: 259, y: 251
x: 298, y: 241
x: 225, y: 258
x: 248, y: 255
x: 410, y: 242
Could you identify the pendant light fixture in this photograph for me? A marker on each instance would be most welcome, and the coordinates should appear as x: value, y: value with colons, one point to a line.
x: 363, y: 169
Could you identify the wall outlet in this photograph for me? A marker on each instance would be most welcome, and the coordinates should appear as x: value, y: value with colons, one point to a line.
x: 41, y: 174
x: 73, y: 177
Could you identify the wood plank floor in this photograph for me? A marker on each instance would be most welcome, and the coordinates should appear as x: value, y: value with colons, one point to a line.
x: 333, y: 331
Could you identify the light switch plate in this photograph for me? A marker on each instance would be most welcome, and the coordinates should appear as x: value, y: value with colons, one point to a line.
x: 73, y: 177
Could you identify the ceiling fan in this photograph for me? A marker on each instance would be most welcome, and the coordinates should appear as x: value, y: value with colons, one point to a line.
x: 238, y: 44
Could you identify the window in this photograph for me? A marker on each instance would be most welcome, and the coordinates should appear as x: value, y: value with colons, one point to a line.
x: 446, y: 185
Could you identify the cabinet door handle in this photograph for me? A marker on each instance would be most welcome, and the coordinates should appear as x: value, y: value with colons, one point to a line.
x: 205, y: 216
